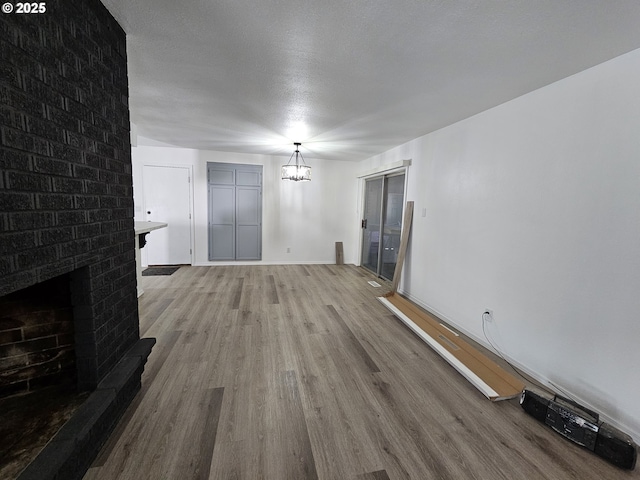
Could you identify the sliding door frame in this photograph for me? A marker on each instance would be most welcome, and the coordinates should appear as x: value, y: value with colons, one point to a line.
x: 394, y: 170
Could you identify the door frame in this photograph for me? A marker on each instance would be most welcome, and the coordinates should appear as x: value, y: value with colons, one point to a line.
x: 397, y: 168
x: 189, y: 169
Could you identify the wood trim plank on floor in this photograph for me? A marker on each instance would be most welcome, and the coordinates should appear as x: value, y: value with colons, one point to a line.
x: 493, y: 381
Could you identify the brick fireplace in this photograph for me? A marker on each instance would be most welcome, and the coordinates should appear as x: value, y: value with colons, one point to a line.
x: 67, y: 259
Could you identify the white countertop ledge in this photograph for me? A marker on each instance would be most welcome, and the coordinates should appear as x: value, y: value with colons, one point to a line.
x: 146, y: 227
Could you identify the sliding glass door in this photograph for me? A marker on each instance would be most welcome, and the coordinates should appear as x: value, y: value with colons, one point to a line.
x: 371, y: 223
x: 382, y: 223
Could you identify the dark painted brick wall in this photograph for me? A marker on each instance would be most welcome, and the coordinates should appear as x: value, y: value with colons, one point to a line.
x: 66, y: 201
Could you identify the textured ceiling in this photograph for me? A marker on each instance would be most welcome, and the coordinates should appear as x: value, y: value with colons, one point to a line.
x: 349, y: 78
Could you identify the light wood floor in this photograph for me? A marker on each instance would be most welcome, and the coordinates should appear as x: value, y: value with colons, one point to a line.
x: 298, y: 372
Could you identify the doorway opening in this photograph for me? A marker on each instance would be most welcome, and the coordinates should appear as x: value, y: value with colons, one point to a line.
x: 382, y: 223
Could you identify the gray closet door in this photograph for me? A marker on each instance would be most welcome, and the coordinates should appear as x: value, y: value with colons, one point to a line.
x: 222, y: 222
x: 248, y: 223
x: 235, y: 211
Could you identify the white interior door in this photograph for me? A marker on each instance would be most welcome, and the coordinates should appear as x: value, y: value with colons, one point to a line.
x: 167, y: 198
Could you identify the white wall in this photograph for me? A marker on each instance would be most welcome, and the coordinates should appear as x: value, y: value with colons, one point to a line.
x: 533, y: 210
x: 307, y: 217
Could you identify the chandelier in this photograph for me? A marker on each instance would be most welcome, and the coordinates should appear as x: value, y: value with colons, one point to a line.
x: 298, y: 171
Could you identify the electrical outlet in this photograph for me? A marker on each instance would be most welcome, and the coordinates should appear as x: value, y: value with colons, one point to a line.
x: 288, y: 249
x: 487, y: 315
